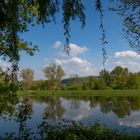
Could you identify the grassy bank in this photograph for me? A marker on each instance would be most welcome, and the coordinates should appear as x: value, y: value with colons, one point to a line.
x: 69, y: 93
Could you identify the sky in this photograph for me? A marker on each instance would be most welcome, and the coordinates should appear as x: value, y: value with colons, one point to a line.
x: 86, y: 55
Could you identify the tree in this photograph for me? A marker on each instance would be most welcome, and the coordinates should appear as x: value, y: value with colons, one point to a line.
x: 99, y: 84
x: 6, y: 85
x: 105, y: 75
x: 16, y: 15
x: 119, y: 77
x: 40, y: 85
x: 129, y: 11
x: 54, y: 74
x: 133, y: 81
x: 27, y: 76
x: 3, y: 85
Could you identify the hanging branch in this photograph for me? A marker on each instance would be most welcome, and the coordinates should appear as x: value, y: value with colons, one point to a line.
x: 103, y: 35
x: 72, y: 9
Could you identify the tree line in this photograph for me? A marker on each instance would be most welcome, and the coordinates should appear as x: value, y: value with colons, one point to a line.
x: 118, y: 78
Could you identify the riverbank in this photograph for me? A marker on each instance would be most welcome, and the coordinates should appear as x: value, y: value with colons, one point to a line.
x: 73, y: 93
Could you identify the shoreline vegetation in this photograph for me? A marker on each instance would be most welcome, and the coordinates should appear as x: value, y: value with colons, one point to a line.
x: 73, y: 131
x: 74, y: 93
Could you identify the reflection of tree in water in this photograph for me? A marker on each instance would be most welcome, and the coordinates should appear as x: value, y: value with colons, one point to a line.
x: 18, y: 110
x: 23, y: 113
x: 8, y: 103
x: 54, y: 110
x: 93, y: 101
x: 75, y: 104
x: 121, y: 106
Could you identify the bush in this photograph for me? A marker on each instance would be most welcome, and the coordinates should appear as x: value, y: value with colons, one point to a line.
x: 76, y: 131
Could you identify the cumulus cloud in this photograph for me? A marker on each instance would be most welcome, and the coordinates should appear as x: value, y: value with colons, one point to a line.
x: 127, y: 54
x: 74, y: 48
x: 128, y: 59
x: 57, y: 44
x: 72, y: 64
x: 76, y: 65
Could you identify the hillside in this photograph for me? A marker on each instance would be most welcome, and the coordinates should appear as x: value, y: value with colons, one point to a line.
x: 79, y: 80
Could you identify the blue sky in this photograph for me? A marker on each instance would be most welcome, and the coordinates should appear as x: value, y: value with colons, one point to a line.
x: 86, y: 55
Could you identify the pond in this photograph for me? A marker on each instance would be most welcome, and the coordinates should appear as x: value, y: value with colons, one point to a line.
x: 122, y: 113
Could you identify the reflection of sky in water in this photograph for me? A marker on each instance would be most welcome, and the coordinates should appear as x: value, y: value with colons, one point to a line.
x: 132, y: 121
x: 76, y: 114
x: 77, y: 110
x: 9, y: 126
x: 88, y: 115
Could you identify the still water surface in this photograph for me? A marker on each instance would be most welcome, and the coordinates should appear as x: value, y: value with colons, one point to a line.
x: 114, y: 112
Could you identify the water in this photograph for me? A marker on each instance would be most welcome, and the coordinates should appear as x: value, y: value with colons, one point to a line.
x: 114, y: 112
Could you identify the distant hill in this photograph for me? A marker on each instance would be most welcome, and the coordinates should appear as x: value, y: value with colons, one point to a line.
x: 77, y: 79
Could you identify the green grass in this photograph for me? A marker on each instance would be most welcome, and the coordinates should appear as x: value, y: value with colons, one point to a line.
x: 76, y: 93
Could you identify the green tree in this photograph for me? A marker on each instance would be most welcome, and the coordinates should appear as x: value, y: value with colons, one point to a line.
x: 119, y: 77
x: 133, y: 81
x: 40, y: 85
x: 27, y: 76
x: 96, y: 83
x: 99, y: 84
x: 2, y: 80
x: 138, y: 78
x: 54, y: 74
x: 5, y: 81
x: 105, y: 75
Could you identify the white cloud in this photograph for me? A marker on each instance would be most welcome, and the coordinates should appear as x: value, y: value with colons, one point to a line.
x: 74, y: 49
x: 72, y: 64
x: 76, y: 65
x: 127, y: 54
x: 57, y: 44
x: 128, y: 59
